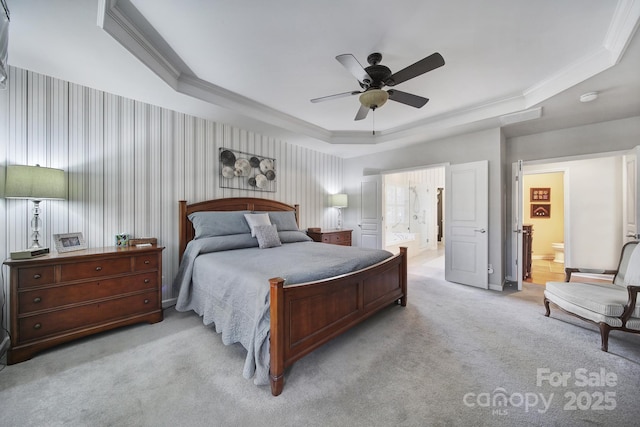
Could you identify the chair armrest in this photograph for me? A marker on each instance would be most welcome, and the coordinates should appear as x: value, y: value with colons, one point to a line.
x: 631, y: 303
x: 569, y: 270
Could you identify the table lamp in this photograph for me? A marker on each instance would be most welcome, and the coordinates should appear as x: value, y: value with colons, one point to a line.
x: 36, y: 184
x: 339, y: 201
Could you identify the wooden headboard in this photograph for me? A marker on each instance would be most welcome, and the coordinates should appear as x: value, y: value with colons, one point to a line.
x: 185, y: 227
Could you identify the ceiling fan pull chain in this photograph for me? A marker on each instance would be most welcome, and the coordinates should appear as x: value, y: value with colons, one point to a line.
x: 373, y: 116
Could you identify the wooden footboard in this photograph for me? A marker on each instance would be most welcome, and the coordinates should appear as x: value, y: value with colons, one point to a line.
x: 306, y: 316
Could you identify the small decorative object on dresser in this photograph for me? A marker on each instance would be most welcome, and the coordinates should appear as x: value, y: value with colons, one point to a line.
x: 69, y: 242
x: 61, y: 297
x: 334, y: 237
x: 143, y: 241
x: 122, y: 240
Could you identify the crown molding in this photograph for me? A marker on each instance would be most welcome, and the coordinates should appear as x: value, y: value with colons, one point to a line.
x: 122, y: 21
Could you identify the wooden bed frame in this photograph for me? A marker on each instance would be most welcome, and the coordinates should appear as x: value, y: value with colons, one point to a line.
x: 305, y: 316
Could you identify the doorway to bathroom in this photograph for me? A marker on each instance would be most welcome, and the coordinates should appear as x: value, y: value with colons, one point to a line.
x: 413, y: 213
x: 543, y: 226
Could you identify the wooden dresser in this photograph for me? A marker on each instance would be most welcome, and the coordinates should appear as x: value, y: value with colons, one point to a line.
x: 60, y: 297
x: 335, y: 237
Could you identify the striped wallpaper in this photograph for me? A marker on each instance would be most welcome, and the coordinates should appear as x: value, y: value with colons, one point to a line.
x: 128, y: 163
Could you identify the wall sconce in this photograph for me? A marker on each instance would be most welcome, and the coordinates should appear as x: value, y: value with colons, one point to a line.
x: 36, y: 184
x: 339, y: 201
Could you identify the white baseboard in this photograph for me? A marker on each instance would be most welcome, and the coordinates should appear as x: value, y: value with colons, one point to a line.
x: 169, y: 302
x: 547, y: 257
x: 496, y: 287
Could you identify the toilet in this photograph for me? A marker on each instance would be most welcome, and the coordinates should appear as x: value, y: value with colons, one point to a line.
x: 558, y: 248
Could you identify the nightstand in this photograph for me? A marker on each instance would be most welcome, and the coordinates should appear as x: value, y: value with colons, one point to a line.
x: 64, y: 296
x: 334, y: 237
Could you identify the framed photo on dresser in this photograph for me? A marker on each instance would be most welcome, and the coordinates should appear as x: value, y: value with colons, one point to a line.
x: 69, y: 242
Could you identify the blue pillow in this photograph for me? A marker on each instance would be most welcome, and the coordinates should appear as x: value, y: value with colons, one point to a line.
x: 211, y: 224
x: 294, y: 236
x: 285, y: 220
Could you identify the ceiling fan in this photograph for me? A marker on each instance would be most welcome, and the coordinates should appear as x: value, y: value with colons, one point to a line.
x: 376, y: 76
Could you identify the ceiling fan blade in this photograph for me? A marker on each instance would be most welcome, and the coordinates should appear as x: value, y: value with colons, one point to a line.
x: 353, y: 66
x: 429, y: 63
x: 362, y: 112
x: 336, y: 96
x: 407, y: 98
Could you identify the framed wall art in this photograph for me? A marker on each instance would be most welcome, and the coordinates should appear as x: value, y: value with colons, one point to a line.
x: 540, y: 194
x: 246, y: 171
x: 540, y: 211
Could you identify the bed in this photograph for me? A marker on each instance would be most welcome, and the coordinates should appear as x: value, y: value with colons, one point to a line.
x: 286, y: 316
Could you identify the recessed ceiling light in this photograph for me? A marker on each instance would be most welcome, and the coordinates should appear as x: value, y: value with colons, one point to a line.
x: 589, y: 96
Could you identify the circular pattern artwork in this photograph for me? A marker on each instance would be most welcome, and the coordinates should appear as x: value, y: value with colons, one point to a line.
x: 227, y: 158
x: 246, y: 171
x: 243, y: 168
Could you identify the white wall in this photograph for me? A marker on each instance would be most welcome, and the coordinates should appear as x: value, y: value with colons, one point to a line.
x: 484, y: 145
x: 128, y: 163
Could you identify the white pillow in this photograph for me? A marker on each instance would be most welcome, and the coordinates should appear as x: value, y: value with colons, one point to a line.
x: 632, y: 275
x: 257, y: 219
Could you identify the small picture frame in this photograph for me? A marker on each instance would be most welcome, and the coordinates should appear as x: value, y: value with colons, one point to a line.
x: 69, y: 242
x: 541, y: 194
x: 540, y: 210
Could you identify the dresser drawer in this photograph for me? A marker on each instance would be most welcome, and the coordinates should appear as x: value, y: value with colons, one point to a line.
x: 35, y: 276
x: 41, y: 325
x: 91, y: 269
x: 339, y: 239
x: 45, y: 298
x: 146, y: 262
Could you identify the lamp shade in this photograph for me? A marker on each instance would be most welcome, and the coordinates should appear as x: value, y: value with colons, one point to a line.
x: 339, y: 201
x: 34, y: 183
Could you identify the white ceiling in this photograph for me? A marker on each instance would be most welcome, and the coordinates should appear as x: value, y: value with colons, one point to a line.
x: 256, y: 63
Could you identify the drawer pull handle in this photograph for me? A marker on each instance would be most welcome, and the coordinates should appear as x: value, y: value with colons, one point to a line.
x: 98, y: 268
x: 37, y: 300
x: 36, y: 276
x: 146, y: 261
x: 146, y: 301
x: 37, y: 326
x: 146, y: 280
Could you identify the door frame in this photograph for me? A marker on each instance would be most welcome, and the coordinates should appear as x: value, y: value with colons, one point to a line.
x: 567, y: 214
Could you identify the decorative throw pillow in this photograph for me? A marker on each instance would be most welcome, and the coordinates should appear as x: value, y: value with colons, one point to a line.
x: 267, y: 236
x: 257, y: 219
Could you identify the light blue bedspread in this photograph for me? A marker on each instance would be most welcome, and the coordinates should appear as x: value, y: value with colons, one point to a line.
x: 229, y: 287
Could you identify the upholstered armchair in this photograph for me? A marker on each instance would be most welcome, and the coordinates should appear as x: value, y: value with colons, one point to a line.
x: 610, y: 306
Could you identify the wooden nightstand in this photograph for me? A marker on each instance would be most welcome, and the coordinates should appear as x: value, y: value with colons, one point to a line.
x: 334, y: 237
x: 63, y: 296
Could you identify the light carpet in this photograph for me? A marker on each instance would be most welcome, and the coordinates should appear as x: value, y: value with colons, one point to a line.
x: 445, y: 359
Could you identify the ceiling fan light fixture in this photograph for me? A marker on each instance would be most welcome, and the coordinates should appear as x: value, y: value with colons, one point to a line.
x: 374, y: 98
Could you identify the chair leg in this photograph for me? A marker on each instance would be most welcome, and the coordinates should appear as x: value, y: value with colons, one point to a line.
x: 546, y: 305
x: 604, y: 335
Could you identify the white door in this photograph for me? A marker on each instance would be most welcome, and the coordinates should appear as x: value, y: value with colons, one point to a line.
x: 466, y: 224
x: 371, y: 212
x: 517, y: 194
x: 631, y: 182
